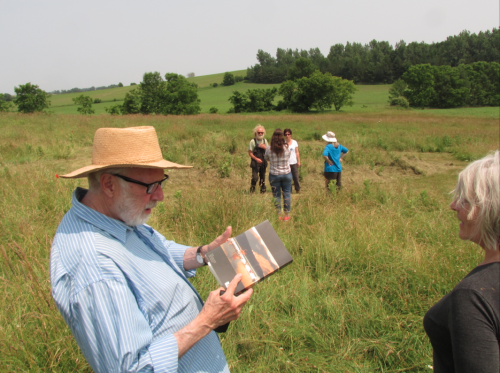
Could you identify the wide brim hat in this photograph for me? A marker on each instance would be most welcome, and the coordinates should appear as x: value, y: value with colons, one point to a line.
x: 125, y: 147
x: 330, y: 137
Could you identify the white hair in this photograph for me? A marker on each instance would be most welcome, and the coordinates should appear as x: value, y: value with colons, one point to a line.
x: 479, y: 186
x: 256, y: 128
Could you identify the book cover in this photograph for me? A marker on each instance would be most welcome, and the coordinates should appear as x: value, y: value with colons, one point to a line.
x: 256, y: 253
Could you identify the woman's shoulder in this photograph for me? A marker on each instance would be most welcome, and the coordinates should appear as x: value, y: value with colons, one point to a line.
x: 481, y: 276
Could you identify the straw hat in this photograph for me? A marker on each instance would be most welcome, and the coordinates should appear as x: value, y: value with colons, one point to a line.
x: 330, y: 137
x: 125, y: 147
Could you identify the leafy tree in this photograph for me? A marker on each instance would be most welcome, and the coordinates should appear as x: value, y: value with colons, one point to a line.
x: 133, y: 102
x: 482, y: 80
x: 420, y: 81
x: 86, y: 104
x: 319, y: 91
x: 133, y: 84
x: 152, y: 93
x: 190, y: 75
x: 449, y: 87
x: 120, y: 84
x: 238, y: 100
x: 4, y: 104
x: 342, y: 92
x: 302, y: 67
x: 214, y: 85
x: 31, y: 99
x: 181, y: 96
x: 228, y: 79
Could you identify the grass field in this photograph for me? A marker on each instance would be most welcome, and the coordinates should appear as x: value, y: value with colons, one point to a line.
x: 368, y: 262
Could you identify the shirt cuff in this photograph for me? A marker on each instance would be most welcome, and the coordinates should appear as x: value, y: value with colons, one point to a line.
x: 164, y: 353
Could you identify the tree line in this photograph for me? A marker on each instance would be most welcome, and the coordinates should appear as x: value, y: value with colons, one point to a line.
x: 476, y: 84
x: 77, y: 90
x: 379, y: 61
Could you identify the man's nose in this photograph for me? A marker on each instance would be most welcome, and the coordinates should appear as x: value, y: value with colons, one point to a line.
x: 158, y: 194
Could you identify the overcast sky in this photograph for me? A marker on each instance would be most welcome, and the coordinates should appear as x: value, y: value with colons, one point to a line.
x: 62, y: 44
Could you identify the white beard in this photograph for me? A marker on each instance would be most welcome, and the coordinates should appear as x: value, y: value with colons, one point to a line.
x: 259, y: 137
x: 130, y: 212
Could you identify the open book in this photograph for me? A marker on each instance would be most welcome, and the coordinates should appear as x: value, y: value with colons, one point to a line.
x: 256, y: 254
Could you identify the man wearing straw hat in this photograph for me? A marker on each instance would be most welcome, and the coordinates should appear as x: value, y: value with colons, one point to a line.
x: 120, y: 285
x: 333, y: 154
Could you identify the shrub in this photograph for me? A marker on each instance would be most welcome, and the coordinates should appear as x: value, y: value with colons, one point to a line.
x: 97, y: 100
x: 254, y: 100
x: 238, y: 78
x: 214, y: 85
x: 113, y: 110
x: 214, y: 110
x: 133, y: 83
x: 400, y: 101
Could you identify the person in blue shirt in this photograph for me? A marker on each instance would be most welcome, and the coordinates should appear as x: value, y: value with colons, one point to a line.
x: 333, y: 154
x: 122, y: 287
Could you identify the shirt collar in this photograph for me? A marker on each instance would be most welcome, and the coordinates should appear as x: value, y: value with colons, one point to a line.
x: 116, y: 228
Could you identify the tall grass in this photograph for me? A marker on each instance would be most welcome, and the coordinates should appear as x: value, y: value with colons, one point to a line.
x: 368, y: 261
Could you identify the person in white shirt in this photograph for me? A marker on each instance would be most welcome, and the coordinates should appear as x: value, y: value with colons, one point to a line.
x: 294, y: 158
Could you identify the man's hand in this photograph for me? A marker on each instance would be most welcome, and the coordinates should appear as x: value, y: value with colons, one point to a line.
x: 190, y: 261
x: 218, y: 241
x: 258, y: 160
x: 220, y: 309
x: 262, y: 146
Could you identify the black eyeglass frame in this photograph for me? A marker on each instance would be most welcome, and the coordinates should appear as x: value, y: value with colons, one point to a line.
x: 150, y: 188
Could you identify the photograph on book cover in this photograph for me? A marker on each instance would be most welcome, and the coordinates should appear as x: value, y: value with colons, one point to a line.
x: 256, y: 253
x: 239, y: 263
x: 249, y: 255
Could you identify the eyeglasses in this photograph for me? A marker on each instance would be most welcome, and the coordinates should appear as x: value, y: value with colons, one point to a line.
x: 260, y: 133
x: 150, y: 187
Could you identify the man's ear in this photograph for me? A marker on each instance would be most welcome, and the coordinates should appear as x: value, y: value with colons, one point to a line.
x: 108, y: 184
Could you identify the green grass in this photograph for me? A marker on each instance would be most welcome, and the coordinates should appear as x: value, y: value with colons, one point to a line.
x: 368, y: 262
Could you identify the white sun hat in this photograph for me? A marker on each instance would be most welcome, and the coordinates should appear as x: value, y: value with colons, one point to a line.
x: 330, y: 137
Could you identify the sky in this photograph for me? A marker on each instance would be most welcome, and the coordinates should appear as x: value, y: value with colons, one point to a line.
x: 62, y: 44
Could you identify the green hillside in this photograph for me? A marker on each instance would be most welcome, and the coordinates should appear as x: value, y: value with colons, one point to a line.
x: 63, y: 103
x: 373, y: 97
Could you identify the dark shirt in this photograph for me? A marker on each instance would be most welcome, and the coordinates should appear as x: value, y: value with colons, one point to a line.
x: 464, y: 326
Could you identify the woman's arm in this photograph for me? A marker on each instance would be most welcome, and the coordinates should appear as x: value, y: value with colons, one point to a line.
x: 297, y: 155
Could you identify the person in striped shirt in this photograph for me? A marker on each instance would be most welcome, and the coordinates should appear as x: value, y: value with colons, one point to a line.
x: 120, y: 285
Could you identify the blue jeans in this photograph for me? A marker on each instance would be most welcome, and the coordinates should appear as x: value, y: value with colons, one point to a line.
x: 279, y: 183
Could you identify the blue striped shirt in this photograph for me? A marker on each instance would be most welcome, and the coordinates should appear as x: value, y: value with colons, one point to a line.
x: 123, y: 292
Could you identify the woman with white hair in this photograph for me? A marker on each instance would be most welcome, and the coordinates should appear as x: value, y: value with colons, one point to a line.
x: 464, y: 326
